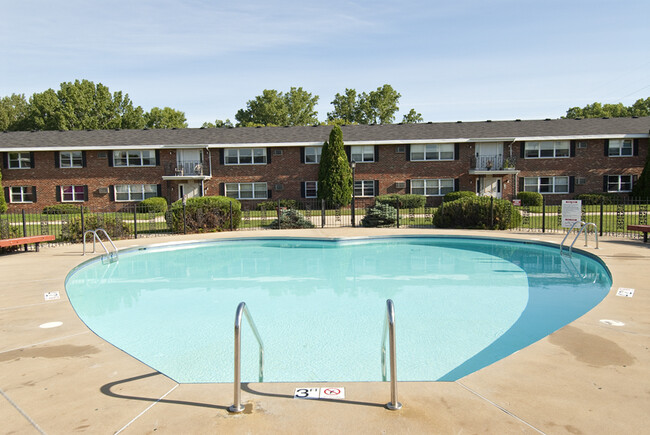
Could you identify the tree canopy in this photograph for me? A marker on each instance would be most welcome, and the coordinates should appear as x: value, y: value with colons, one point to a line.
x: 218, y: 123
x: 640, y: 107
x: 165, y: 118
x: 273, y: 108
x: 334, y: 173
x: 375, y: 107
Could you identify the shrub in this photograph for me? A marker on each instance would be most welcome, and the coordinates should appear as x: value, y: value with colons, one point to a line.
x: 291, y: 219
x: 286, y: 203
x: 474, y: 212
x: 453, y: 196
x: 154, y: 205
x: 380, y: 215
x: 405, y: 201
x: 3, y: 203
x: 531, y: 199
x: 334, y: 173
x: 596, y: 198
x: 205, y: 214
x: 114, y: 226
x: 63, y: 209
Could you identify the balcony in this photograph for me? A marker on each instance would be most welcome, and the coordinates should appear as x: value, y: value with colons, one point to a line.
x: 496, y: 165
x: 187, y: 170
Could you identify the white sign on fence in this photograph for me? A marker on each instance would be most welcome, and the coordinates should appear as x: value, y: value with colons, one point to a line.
x: 571, y: 212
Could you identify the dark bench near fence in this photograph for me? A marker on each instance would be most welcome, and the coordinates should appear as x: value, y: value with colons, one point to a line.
x: 643, y: 228
x: 4, y: 243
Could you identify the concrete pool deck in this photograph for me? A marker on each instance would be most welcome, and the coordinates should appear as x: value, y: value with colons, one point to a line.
x: 586, y: 378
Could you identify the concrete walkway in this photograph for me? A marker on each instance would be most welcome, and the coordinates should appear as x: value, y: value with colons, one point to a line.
x: 587, y: 378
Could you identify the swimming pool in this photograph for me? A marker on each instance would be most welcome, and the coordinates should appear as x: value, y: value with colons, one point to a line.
x: 461, y: 304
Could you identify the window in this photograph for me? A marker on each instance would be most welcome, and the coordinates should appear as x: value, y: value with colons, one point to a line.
x: 547, y: 149
x: 362, y: 154
x: 135, y: 192
x: 620, y: 148
x: 619, y: 183
x: 432, y: 152
x: 364, y: 188
x: 20, y: 160
x: 434, y: 187
x: 311, y: 189
x: 312, y: 154
x: 71, y: 159
x: 134, y: 158
x: 22, y: 194
x: 245, y: 156
x: 73, y: 193
x: 546, y: 184
x: 247, y: 190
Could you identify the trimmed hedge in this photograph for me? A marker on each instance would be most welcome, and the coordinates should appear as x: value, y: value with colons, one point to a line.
x: 114, y: 226
x: 153, y: 205
x: 474, y: 212
x: 597, y: 198
x: 453, y: 196
x: 380, y: 215
x: 205, y: 214
x: 63, y: 209
x: 531, y: 199
x: 404, y: 201
x: 291, y: 219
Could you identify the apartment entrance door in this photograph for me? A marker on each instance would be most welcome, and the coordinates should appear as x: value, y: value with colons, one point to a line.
x: 190, y: 189
x: 488, y: 186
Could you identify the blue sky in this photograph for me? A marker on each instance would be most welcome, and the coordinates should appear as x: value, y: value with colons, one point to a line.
x: 462, y: 60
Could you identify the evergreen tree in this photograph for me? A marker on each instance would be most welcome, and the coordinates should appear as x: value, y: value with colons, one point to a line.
x: 641, y: 188
x: 334, y: 173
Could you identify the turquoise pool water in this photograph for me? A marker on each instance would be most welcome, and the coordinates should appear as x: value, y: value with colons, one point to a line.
x: 461, y: 304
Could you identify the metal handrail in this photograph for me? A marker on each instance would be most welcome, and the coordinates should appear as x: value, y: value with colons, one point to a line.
x: 97, y: 238
x: 389, y: 327
x: 242, y: 310
x: 580, y: 232
x: 569, y: 232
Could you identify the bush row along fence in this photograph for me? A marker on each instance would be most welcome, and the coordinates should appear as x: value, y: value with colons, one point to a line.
x: 611, y: 219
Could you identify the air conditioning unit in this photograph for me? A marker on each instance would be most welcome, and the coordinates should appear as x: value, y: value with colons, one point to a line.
x: 102, y: 155
x: 400, y: 149
x: 400, y: 184
x: 279, y: 187
x: 102, y: 190
x: 277, y: 152
x: 581, y: 180
x: 582, y: 145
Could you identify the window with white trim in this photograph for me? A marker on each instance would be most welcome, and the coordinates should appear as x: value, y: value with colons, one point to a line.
x: 312, y: 154
x: 311, y: 189
x: 548, y: 149
x: 72, y: 193
x: 71, y: 159
x: 19, y: 160
x: 135, y: 192
x: 247, y: 190
x: 134, y: 158
x: 432, y: 152
x: 362, y: 153
x: 619, y: 183
x: 18, y: 194
x: 546, y: 184
x: 245, y: 156
x: 364, y: 188
x: 620, y: 148
x: 432, y: 187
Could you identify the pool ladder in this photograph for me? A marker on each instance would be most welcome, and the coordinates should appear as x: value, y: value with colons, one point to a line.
x: 389, y: 329
x: 111, y: 256
x: 583, y: 227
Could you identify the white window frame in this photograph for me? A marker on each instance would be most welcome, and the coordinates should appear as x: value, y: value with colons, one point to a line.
x: 22, y: 192
x: 20, y: 160
x: 618, y: 146
x: 234, y: 156
x: 433, y: 186
x: 432, y: 152
x: 234, y: 190
x: 313, y: 188
x: 135, y: 192
x: 73, y: 191
x: 312, y: 155
x: 70, y: 157
x: 362, y: 187
x: 617, y: 180
x: 362, y: 153
x: 127, y: 158
x: 553, y: 184
x: 556, y: 148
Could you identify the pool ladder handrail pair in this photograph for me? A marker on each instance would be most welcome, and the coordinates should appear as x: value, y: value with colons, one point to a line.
x: 111, y: 256
x: 389, y: 328
x: 583, y: 225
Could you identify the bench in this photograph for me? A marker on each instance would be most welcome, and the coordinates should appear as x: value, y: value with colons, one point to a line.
x: 25, y: 241
x: 643, y: 228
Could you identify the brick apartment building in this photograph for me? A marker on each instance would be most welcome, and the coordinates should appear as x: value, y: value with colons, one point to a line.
x: 106, y: 169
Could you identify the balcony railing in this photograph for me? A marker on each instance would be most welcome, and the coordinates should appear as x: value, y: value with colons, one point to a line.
x: 493, y: 163
x: 187, y: 169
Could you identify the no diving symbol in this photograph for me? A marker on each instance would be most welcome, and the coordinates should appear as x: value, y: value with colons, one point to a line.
x: 331, y: 391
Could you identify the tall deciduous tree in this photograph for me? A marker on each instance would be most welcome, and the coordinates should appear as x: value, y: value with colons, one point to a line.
x: 165, y: 118
x: 346, y: 108
x: 412, y: 117
x: 273, y: 108
x: 334, y: 173
x: 13, y: 110
x: 376, y: 107
x: 640, y: 107
x: 218, y: 123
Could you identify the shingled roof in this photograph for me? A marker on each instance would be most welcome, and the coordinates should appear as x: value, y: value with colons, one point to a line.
x: 312, y: 135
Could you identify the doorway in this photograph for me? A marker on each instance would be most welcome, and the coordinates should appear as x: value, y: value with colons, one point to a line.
x: 488, y: 186
x: 189, y: 189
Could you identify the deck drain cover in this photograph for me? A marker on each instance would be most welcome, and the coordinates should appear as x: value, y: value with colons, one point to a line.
x: 612, y: 322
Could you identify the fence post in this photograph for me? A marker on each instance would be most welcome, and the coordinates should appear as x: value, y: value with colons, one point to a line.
x: 83, y: 221
x: 322, y: 214
x: 279, y: 213
x: 543, y: 214
x: 492, y: 212
x: 24, y: 228
x: 184, y: 223
x: 398, y: 205
x: 231, y: 224
x: 602, y: 209
x: 135, y: 220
